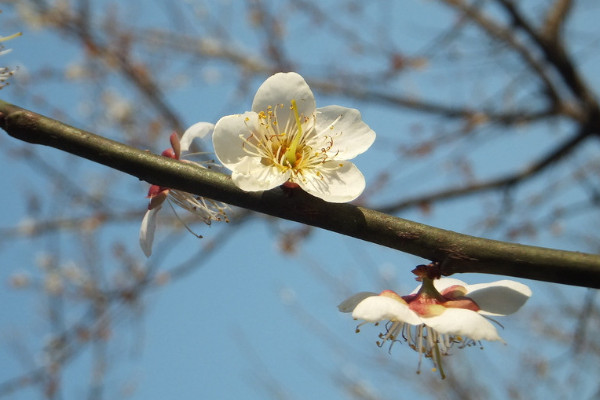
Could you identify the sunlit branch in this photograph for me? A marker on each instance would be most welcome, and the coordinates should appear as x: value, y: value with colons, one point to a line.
x: 457, y: 252
x: 555, y: 18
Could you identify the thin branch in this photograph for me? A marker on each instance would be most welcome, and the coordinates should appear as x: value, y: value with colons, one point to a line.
x: 269, y: 24
x: 458, y: 252
x: 552, y: 157
x: 444, y: 110
x: 556, y: 55
x: 77, y: 26
x: 555, y: 18
x: 36, y: 228
x: 251, y: 64
x: 507, y: 35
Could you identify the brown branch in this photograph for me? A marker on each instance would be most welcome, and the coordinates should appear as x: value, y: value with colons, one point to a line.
x: 555, y: 18
x: 507, y: 35
x: 458, y: 252
x: 252, y: 64
x: 36, y: 228
x: 509, y: 180
x: 272, y: 31
x: 556, y: 55
x: 440, y: 109
x: 76, y: 26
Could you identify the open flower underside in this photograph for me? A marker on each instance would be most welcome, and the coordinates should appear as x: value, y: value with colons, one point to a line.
x: 207, y: 209
x: 425, y: 340
x: 431, y: 322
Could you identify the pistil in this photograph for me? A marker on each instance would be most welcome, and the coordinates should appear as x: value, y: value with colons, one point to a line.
x: 290, y: 154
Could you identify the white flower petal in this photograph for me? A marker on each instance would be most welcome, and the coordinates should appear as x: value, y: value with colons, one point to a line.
x: 382, y: 308
x: 228, y: 145
x: 350, y: 135
x: 336, y: 184
x: 279, y: 90
x: 197, y: 131
x: 443, y: 283
x: 147, y: 231
x: 499, y: 298
x: 251, y: 175
x: 461, y: 322
x: 351, y: 302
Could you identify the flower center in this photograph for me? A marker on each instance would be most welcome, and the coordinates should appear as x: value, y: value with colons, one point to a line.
x: 288, y: 145
x: 428, y: 302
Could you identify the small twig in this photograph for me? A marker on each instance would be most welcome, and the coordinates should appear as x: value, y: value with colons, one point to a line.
x: 510, y: 180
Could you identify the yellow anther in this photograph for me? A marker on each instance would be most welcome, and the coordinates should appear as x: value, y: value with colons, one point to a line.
x: 14, y: 35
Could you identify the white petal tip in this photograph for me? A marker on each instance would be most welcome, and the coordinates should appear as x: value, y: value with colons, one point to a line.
x: 197, y: 131
x: 147, y: 231
x: 351, y: 302
x: 499, y: 298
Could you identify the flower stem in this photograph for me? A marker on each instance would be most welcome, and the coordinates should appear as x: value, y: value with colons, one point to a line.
x: 428, y: 290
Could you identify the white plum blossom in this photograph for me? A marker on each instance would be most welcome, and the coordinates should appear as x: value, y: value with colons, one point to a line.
x: 286, y: 140
x: 439, y: 313
x: 208, y: 210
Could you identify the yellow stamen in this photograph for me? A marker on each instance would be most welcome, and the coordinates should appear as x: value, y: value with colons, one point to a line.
x: 290, y: 153
x: 14, y: 35
x: 438, y: 358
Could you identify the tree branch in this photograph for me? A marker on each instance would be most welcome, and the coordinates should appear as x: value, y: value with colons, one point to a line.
x: 457, y: 252
x: 506, y: 35
x: 556, y: 17
x: 509, y: 180
x: 556, y: 55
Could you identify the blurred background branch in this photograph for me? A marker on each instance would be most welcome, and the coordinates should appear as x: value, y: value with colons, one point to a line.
x: 487, y: 122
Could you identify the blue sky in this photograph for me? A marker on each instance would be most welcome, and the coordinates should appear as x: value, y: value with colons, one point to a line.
x: 249, y: 321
